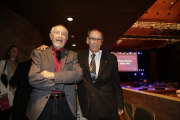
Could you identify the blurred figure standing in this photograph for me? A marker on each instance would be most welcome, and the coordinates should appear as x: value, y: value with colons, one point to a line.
x: 8, y: 66
x: 22, y: 94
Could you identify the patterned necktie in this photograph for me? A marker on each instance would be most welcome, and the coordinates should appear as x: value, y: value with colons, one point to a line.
x: 92, y: 67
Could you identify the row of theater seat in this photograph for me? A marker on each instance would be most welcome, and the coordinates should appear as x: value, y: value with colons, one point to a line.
x: 140, y: 113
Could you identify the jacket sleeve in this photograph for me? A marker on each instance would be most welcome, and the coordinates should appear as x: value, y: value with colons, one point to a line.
x: 3, y: 89
x: 36, y: 79
x: 73, y: 75
x: 116, y: 84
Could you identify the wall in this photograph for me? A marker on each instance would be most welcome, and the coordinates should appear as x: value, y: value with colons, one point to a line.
x: 14, y: 30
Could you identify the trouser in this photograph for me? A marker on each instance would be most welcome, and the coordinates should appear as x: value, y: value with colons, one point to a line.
x: 93, y: 115
x: 56, y: 109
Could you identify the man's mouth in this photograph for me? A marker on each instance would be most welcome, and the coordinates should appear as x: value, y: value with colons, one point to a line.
x: 59, y: 40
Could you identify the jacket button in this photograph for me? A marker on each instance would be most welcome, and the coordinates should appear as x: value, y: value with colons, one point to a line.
x: 46, y: 97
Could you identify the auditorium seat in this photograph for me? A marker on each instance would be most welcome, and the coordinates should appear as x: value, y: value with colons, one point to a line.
x: 143, y: 114
x: 127, y: 115
x: 130, y: 106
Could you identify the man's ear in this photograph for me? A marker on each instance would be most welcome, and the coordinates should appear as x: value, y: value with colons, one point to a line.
x: 50, y: 35
x: 87, y: 40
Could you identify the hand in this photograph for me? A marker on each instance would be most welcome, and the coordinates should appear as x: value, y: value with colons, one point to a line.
x: 47, y: 74
x: 5, y: 96
x: 43, y: 47
x: 120, y: 112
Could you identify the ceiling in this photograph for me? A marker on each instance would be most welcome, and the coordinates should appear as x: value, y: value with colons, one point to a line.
x: 126, y: 24
x: 156, y: 28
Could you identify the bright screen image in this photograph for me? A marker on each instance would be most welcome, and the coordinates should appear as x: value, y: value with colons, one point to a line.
x: 127, y: 61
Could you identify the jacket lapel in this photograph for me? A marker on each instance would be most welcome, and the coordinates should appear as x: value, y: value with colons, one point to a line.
x: 85, y: 59
x: 86, y: 64
x: 103, y: 63
x: 50, y: 58
x: 64, y: 58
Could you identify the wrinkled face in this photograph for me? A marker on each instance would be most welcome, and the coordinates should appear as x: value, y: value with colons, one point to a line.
x: 59, y: 36
x: 13, y: 52
x: 95, y: 41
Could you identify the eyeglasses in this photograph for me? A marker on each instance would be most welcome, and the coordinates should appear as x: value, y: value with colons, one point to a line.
x: 94, y: 39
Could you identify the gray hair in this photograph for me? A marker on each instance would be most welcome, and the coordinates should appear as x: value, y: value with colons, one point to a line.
x: 52, y: 29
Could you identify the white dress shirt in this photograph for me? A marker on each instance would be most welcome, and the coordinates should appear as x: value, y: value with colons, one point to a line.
x: 97, y: 60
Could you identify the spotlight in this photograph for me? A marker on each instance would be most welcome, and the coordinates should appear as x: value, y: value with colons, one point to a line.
x: 135, y: 74
x: 138, y: 53
x: 73, y: 44
x: 119, y: 52
x: 142, y: 73
x: 70, y: 19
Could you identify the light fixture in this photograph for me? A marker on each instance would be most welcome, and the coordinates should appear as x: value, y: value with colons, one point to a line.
x: 73, y: 44
x: 70, y: 19
x: 72, y: 36
x: 118, y: 42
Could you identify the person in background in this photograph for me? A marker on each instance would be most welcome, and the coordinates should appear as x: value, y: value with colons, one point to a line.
x: 53, y: 75
x: 6, y: 90
x: 23, y: 91
x: 100, y: 94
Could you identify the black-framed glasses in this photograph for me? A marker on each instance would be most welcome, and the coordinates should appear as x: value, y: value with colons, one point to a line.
x: 94, y: 39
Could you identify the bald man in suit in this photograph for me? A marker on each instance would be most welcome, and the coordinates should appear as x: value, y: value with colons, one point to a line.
x: 100, y: 94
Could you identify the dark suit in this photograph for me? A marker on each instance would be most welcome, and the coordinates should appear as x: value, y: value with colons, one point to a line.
x: 106, y: 93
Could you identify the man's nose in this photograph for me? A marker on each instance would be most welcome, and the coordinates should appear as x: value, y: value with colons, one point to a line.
x: 60, y: 35
x: 96, y: 41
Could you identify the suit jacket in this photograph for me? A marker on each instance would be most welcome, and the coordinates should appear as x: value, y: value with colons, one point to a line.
x: 70, y: 74
x: 106, y: 92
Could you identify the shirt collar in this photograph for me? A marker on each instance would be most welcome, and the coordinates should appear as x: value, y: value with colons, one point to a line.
x: 54, y: 49
x: 97, y: 54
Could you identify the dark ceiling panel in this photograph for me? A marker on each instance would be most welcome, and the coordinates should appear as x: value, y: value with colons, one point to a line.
x: 113, y: 17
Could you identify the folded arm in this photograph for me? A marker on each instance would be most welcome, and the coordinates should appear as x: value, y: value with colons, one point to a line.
x: 35, y: 77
